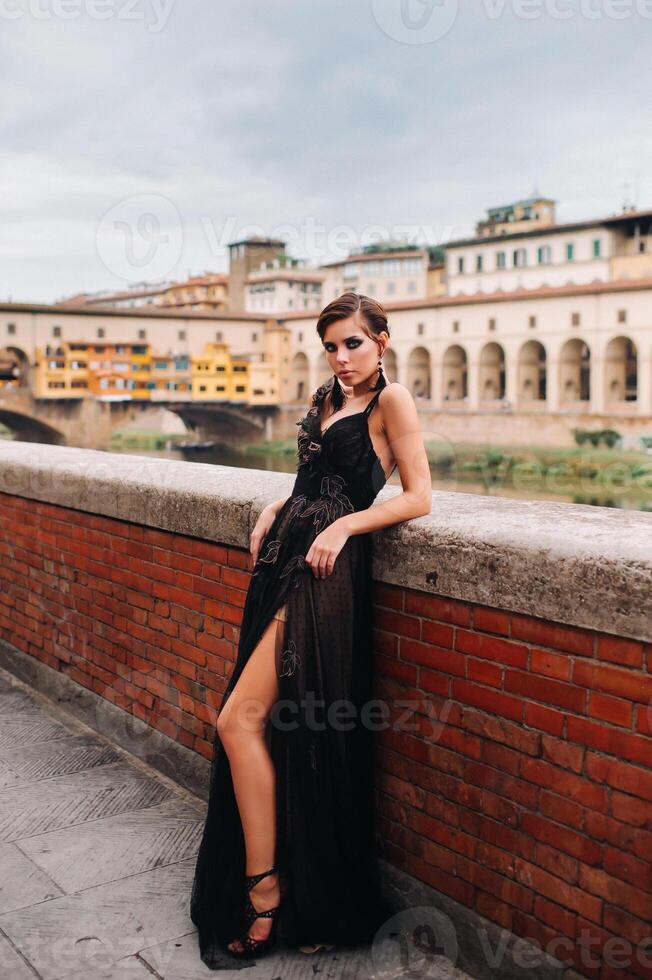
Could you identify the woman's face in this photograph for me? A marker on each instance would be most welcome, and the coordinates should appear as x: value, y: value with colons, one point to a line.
x: 352, y: 354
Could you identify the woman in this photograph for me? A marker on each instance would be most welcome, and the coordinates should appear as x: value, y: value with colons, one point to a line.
x: 288, y: 840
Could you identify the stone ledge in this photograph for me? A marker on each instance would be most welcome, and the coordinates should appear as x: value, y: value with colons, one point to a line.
x: 572, y: 563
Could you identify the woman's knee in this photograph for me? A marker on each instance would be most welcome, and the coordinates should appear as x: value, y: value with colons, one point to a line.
x: 239, y: 720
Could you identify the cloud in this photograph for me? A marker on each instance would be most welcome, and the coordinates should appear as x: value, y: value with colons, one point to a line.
x: 248, y: 112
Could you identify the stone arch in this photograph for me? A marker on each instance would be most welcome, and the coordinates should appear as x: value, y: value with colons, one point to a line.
x: 491, y: 372
x: 390, y: 366
x: 454, y: 374
x: 418, y: 372
x: 299, y: 378
x: 574, y: 372
x: 531, y: 382
x: 620, y: 370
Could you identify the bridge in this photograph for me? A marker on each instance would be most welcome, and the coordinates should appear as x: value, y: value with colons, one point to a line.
x: 89, y: 423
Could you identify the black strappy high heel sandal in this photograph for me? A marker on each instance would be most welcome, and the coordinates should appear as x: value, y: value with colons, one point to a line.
x: 256, y: 947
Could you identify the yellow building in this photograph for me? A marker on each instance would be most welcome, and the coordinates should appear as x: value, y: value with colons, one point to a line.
x: 251, y: 379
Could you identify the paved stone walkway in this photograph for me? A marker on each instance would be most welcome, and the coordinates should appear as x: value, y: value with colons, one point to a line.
x: 97, y: 854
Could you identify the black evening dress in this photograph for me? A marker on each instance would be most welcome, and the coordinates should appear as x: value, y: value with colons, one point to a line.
x: 322, y: 751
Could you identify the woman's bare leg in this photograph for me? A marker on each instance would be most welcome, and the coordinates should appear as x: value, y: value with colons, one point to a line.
x: 241, y: 727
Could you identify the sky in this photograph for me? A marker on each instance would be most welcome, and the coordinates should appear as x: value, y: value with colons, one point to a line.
x: 139, y: 137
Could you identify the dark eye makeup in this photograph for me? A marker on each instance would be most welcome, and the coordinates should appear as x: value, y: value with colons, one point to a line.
x: 351, y: 343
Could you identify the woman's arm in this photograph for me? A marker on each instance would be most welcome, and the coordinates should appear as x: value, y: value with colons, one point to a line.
x: 403, y: 431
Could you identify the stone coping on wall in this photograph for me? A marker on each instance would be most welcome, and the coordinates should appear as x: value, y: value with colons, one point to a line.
x: 572, y: 563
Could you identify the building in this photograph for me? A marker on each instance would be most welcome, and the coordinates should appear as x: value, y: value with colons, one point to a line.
x: 389, y: 275
x: 280, y: 290
x: 245, y: 256
x: 540, y: 255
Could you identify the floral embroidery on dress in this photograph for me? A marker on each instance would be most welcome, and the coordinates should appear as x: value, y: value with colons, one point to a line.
x: 296, y: 565
x: 331, y: 504
x: 272, y: 551
x: 291, y: 660
x: 297, y: 505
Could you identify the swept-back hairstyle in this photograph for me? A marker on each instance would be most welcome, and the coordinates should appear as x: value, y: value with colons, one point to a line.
x: 373, y: 321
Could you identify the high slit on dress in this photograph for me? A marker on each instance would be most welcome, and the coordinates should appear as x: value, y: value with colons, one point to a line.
x: 320, y: 731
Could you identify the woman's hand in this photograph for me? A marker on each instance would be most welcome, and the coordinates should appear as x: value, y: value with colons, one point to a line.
x: 263, y: 524
x: 325, y: 548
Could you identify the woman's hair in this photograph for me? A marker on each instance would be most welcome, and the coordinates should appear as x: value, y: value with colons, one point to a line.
x: 373, y: 321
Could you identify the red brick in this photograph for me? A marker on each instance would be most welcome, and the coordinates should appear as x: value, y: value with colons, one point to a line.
x: 614, y: 710
x: 630, y: 684
x: 563, y: 754
x: 629, y: 868
x: 555, y: 916
x: 490, y: 620
x: 569, y: 639
x: 438, y: 633
x: 491, y: 647
x: 562, y: 865
x: 543, y: 689
x: 499, y: 730
x: 564, y: 783
x: 434, y: 607
x: 620, y: 651
x: 615, y: 892
x: 635, y: 748
x: 487, y: 699
x: 484, y: 672
x: 562, y: 837
x: 550, y: 664
x: 544, y: 719
x: 388, y: 595
x: 629, y: 779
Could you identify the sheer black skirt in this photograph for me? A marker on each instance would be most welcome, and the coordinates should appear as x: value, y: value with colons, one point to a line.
x: 321, y: 738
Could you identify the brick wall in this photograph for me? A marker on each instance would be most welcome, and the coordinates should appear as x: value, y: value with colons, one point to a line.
x: 515, y: 775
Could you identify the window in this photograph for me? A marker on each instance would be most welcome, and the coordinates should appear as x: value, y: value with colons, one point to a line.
x: 492, y: 323
x: 218, y: 335
x: 11, y: 328
x: 544, y: 255
x: 100, y: 332
x: 478, y: 263
x: 411, y: 286
x: 597, y: 245
x: 392, y: 267
x: 460, y: 264
x: 622, y: 316
x: 421, y: 328
x: 456, y: 326
x: 254, y: 338
x: 520, y: 258
x: 570, y: 251
x: 532, y: 321
x: 56, y: 331
x: 181, y: 335
x: 391, y: 288
x: 575, y: 319
x: 142, y: 334
x: 370, y: 289
x: 500, y: 260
